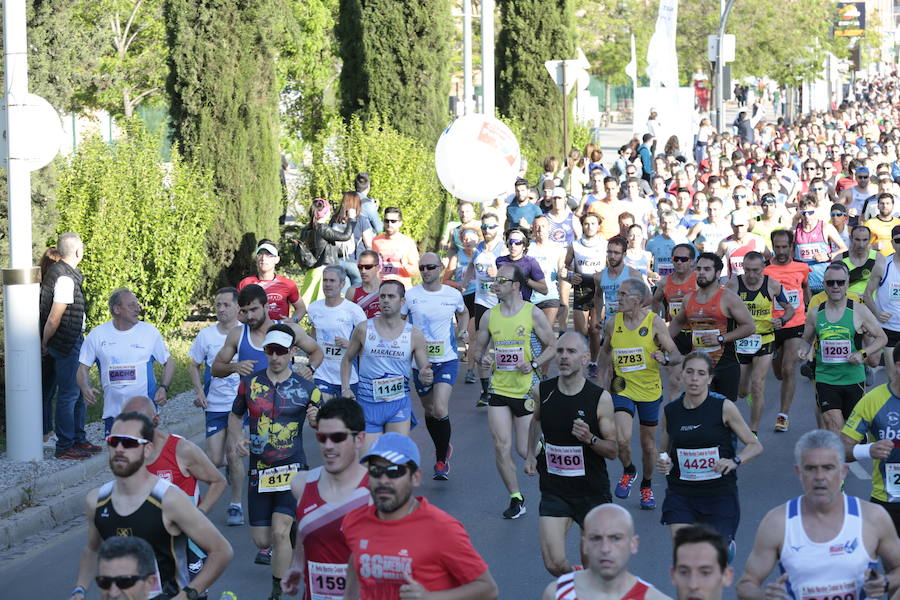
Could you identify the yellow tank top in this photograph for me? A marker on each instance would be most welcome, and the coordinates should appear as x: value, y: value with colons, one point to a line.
x: 760, y: 306
x: 636, y: 374
x: 512, y: 338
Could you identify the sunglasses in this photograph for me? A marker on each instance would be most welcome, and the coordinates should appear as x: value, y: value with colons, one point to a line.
x: 897, y: 240
x: 428, y: 267
x: 392, y: 220
x: 502, y: 280
x: 862, y: 176
x: 811, y: 168
x: 739, y: 196
x: 126, y: 441
x: 681, y: 258
x: 807, y: 212
x: 392, y: 471
x: 838, y: 214
x: 276, y: 350
x: 366, y: 267
x: 337, y: 437
x: 516, y: 242
x: 123, y: 582
x: 817, y: 189
x: 483, y: 227
x: 835, y: 282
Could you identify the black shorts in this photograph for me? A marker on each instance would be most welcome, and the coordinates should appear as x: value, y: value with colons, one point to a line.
x: 746, y: 359
x: 469, y: 301
x: 548, y: 304
x: 683, y: 342
x: 839, y: 397
x: 727, y: 378
x: 520, y: 407
x: 787, y: 333
x: 479, y: 312
x: 583, y: 295
x: 892, y: 508
x: 573, y: 507
x: 893, y: 339
x: 721, y: 512
x: 261, y: 507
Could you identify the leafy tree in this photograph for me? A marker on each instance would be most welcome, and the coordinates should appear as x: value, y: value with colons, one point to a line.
x: 224, y: 109
x: 533, y: 31
x: 396, y: 58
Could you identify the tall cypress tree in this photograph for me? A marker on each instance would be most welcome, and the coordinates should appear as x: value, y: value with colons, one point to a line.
x: 224, y: 109
x: 396, y: 56
x: 531, y: 32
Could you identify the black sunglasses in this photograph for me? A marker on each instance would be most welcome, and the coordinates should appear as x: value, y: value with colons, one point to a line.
x: 392, y: 471
x: 515, y: 242
x: 366, y: 267
x: 123, y: 582
x: 835, y: 282
x: 483, y: 227
x: 126, y: 441
x: 428, y: 267
x: 336, y: 438
x: 276, y: 350
x: 681, y: 258
x: 392, y: 220
x: 838, y: 213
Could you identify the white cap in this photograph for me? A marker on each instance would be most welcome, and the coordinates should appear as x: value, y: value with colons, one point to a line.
x: 271, y: 249
x: 559, y: 193
x: 738, y: 217
x: 279, y: 338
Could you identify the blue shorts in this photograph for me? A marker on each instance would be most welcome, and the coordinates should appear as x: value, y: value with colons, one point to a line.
x: 216, y: 422
x: 721, y: 512
x: 648, y: 412
x: 444, y: 372
x: 380, y: 413
x: 333, y: 389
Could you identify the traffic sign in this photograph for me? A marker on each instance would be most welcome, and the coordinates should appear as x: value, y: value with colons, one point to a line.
x: 564, y: 71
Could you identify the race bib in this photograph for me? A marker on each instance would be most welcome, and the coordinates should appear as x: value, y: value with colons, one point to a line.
x: 565, y: 461
x: 807, y: 252
x: 835, y: 351
x: 389, y: 268
x: 435, y: 349
x: 894, y: 293
x: 388, y: 389
x: 793, y: 296
x: 892, y: 479
x: 484, y: 286
x: 675, y: 307
x: 737, y: 266
x: 326, y: 580
x: 697, y: 339
x: 333, y: 352
x: 698, y: 464
x: 749, y: 345
x: 277, y: 479
x: 122, y: 374
x: 629, y: 359
x: 841, y: 590
x: 665, y: 268
x: 509, y: 357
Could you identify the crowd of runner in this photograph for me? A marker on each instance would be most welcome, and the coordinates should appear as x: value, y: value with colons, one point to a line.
x: 687, y: 278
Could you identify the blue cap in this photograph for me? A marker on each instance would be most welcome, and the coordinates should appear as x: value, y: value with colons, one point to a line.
x: 394, y: 447
x: 862, y: 170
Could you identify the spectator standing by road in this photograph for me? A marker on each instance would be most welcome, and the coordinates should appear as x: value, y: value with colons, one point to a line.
x: 281, y: 292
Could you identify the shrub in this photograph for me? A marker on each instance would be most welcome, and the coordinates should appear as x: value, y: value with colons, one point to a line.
x: 143, y: 223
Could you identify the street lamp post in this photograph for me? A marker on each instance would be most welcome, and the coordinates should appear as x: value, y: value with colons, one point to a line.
x: 720, y: 46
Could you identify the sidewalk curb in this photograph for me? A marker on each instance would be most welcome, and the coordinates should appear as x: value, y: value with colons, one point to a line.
x: 61, y: 496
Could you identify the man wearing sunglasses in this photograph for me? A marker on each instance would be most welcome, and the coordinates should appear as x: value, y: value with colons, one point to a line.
x: 366, y: 295
x: 324, y: 496
x: 399, y: 253
x: 882, y: 297
x: 140, y: 504
x: 126, y: 569
x: 669, y: 298
x: 736, y: 246
x: 512, y: 325
x: 841, y: 327
x: 854, y: 198
x: 403, y: 546
x: 278, y: 402
x: 432, y: 307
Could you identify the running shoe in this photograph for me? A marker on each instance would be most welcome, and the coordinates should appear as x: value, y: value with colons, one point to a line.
x: 648, y: 502
x: 471, y: 377
x: 88, y: 447
x: 624, y: 486
x: 235, y: 516
x: 50, y: 442
x: 593, y: 370
x: 516, y: 508
x: 71, y: 453
x: 264, y: 556
x: 806, y: 369
x: 781, y: 423
x: 442, y: 467
x: 483, y: 400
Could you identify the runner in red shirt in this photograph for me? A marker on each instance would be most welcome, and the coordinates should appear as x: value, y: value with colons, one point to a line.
x: 404, y: 545
x: 282, y: 292
x: 326, y: 494
x: 399, y: 254
x: 367, y: 295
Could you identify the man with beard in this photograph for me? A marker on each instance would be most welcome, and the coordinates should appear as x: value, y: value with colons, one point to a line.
x: 669, y: 296
x: 404, y: 547
x: 325, y: 495
x: 137, y: 503
x: 708, y: 313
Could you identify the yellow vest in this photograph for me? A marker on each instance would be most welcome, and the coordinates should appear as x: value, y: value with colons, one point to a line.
x: 512, y: 338
x: 637, y: 375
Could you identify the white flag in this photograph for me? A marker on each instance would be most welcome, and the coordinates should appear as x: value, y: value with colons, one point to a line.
x: 662, y: 58
x: 631, y: 68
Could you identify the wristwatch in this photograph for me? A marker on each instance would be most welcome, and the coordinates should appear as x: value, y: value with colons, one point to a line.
x: 721, y: 339
x: 737, y: 460
x: 594, y: 440
x: 191, y: 593
x: 534, y: 365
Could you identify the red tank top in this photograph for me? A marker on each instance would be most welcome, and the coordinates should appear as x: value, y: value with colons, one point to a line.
x: 707, y: 317
x: 166, y: 467
x: 674, y: 293
x: 565, y: 588
x: 368, y: 302
x: 319, y: 525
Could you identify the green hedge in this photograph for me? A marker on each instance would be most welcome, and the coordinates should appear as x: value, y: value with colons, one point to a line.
x: 143, y: 223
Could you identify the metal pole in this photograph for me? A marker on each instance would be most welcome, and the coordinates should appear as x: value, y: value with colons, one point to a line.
x: 468, y: 90
x: 565, y: 108
x: 723, y: 20
x: 487, y: 57
x: 20, y: 288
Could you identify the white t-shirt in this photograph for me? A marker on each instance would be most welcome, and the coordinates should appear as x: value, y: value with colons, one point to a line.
x: 433, y: 313
x: 331, y: 322
x: 220, y: 391
x: 126, y: 362
x: 64, y: 290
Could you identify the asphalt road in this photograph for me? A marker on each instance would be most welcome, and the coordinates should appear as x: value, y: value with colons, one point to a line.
x: 476, y: 497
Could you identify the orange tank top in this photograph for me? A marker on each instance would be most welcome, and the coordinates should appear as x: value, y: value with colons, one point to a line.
x: 707, y: 317
x: 674, y: 293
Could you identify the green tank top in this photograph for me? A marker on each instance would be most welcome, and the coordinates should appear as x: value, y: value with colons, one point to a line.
x: 837, y: 341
